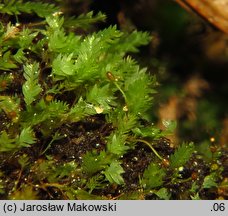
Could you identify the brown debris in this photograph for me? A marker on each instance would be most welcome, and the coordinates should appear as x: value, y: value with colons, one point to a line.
x: 214, y: 11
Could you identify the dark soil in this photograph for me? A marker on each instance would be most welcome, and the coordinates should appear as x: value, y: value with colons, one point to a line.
x: 90, y: 134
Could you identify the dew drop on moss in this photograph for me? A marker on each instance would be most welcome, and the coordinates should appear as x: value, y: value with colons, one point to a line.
x: 97, y: 145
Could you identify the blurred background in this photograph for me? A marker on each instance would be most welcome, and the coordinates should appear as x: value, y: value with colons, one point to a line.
x: 188, y: 55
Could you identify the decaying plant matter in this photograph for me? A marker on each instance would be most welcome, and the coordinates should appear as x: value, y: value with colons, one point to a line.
x: 214, y: 11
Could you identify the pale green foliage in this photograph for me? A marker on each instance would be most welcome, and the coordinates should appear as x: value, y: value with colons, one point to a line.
x: 80, y: 110
x: 129, y: 43
x: 93, y: 162
x: 61, y: 171
x: 113, y: 173
x: 65, y: 80
x: 124, y: 122
x: 17, y: 7
x: 42, y: 112
x: 25, y: 193
x: 195, y: 196
x: 116, y: 144
x: 154, y: 132
x: 138, y: 89
x: 55, y: 22
x: 163, y: 193
x: 95, y: 182
x: 181, y: 155
x: 63, y: 66
x: 9, y: 104
x: 150, y: 132
x: 6, y: 143
x: 26, y: 38
x: 48, y: 170
x: 31, y: 87
x: 210, y: 181
x: 84, y: 20
x: 24, y: 139
x: 102, y: 97
x: 19, y: 57
x: 59, y: 42
x: 6, y: 61
x: 170, y: 126
x: 153, y: 176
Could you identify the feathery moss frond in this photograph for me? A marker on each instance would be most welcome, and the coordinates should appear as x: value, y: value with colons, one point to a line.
x: 153, y: 176
x: 138, y: 87
x: 102, y: 97
x: 117, y: 144
x: 113, y: 173
x: 181, y: 155
x: 31, y: 88
x: 84, y: 20
x: 94, y: 162
x: 15, y: 7
x: 24, y: 139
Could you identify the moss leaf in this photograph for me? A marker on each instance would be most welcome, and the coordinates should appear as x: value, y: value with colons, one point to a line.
x: 181, y: 155
x: 153, y: 176
x: 113, y: 173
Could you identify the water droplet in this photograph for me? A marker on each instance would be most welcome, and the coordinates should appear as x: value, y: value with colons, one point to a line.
x: 135, y: 159
x: 181, y: 168
x: 98, y: 109
x: 125, y: 108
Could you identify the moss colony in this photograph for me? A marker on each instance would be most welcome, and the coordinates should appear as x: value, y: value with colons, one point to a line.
x: 75, y: 115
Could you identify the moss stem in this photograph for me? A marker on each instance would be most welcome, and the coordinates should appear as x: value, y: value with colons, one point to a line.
x: 150, y: 146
